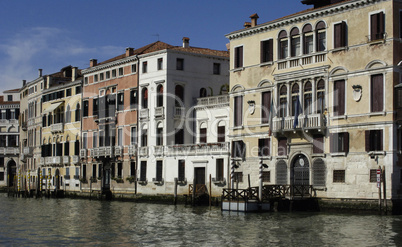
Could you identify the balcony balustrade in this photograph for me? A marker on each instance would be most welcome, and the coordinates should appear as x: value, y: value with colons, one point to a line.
x: 75, y: 159
x: 41, y: 161
x: 214, y: 100
x: 53, y: 160
x: 8, y: 121
x: 303, y: 60
x: 118, y: 150
x: 132, y: 150
x: 58, y: 127
x: 66, y: 160
x: 159, y: 111
x: 107, y: 151
x: 27, y: 151
x: 159, y: 150
x: 198, y: 149
x: 143, y: 151
x: 144, y: 113
x: 309, y: 122
x: 179, y: 112
x: 83, y: 153
x: 9, y: 150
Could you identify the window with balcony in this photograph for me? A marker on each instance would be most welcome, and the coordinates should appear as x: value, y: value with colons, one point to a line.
x: 133, y: 136
x: 320, y: 96
x: 144, y: 102
x: 321, y: 36
x: 159, y: 96
x: 294, y: 42
x: 267, y: 51
x: 265, y: 106
x: 283, y: 44
x: 283, y: 101
x: 377, y: 26
x: 340, y: 35
x: 77, y: 147
x: 159, y: 164
x: 238, y: 111
x: 308, y: 39
x: 94, y: 139
x: 339, y: 142
x: 67, y: 148
x: 144, y: 138
x: 179, y: 136
x: 143, y: 171
x: 308, y: 98
x: 339, y: 98
x: 238, y: 57
x: 374, y: 140
x: 264, y: 148
x: 159, y: 135
x: 181, y: 170
x: 377, y: 93
x: 295, y: 100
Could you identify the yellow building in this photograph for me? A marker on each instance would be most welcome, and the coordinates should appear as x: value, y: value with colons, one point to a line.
x: 323, y: 81
x: 61, y: 131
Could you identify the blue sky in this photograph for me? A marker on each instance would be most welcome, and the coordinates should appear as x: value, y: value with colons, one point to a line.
x: 51, y: 34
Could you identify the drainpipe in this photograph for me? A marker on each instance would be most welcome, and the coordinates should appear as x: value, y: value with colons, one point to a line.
x: 138, y: 129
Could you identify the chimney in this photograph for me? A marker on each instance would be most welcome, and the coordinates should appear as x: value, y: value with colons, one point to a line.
x: 247, y: 24
x: 129, y: 51
x: 24, y: 82
x: 48, y: 82
x: 40, y: 72
x: 254, y: 20
x: 186, y: 42
x: 74, y: 73
x: 93, y: 62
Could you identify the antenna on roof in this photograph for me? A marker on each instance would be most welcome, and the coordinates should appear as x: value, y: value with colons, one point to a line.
x: 157, y: 34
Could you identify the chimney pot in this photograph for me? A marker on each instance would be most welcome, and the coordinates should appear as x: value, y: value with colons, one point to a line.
x: 129, y: 51
x: 247, y: 24
x: 254, y: 19
x: 186, y: 42
x: 93, y: 62
x: 24, y: 82
x: 40, y: 72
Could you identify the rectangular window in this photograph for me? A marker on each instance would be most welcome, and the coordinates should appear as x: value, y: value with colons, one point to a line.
x: 120, y: 101
x: 85, y: 140
x: 266, y: 176
x: 373, y: 175
x: 95, y: 107
x: 179, y: 64
x: 267, y: 49
x: 374, y: 140
x: 95, y: 78
x: 160, y: 63
x: 78, y: 90
x: 321, y: 40
x: 265, y: 107
x: 295, y: 46
x: 179, y: 136
x: 308, y: 43
x: 94, y: 139
x: 238, y: 177
x: 282, y: 146
x: 68, y: 92
x: 238, y: 111
x: 219, y: 169
x: 181, y: 171
x: 66, y: 148
x: 94, y: 171
x: 101, y: 76
x: 119, y: 170
x: 264, y: 147
x: 318, y: 144
x: 377, y: 26
x: 203, y: 135
x: 132, y: 169
x: 221, y: 134
x: 114, y: 73
x: 133, y: 136
x: 143, y: 171
x: 86, y: 108
x: 144, y: 138
x: 283, y: 48
x: 121, y: 71
x: 339, y: 142
x: 133, y: 99
x: 120, y: 137
x: 238, y: 149
x: 107, y: 74
x: 159, y: 170
x: 339, y: 98
x: 238, y: 57
x: 84, y: 171
x: 377, y: 95
x: 1, y: 176
x: 340, y: 35
x: 339, y: 176
x: 134, y: 68
x: 217, y: 69
x: 159, y: 136
x: 144, y: 67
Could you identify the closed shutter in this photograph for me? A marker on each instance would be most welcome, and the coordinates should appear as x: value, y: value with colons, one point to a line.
x: 367, y: 140
x: 266, y: 105
x: 377, y: 94
x: 270, y: 50
x: 346, y: 142
x: 380, y: 138
x: 374, y: 26
x: 339, y: 98
x: 318, y: 144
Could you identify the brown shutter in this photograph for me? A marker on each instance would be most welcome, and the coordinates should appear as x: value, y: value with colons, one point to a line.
x: 243, y: 150
x: 262, y: 51
x: 346, y: 141
x: 380, y: 140
x: 270, y: 50
x: 241, y: 56
x: 367, y: 140
x: 381, y: 27
x: 374, y: 27
x: 337, y: 31
x: 343, y: 34
x: 318, y: 144
x: 332, y: 137
x: 266, y: 104
x: 377, y: 96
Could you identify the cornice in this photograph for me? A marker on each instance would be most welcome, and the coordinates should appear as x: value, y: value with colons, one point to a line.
x: 110, y: 65
x: 313, y: 14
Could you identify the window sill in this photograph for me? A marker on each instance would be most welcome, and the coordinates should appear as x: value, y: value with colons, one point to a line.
x: 238, y: 69
x: 267, y: 64
x: 339, y: 117
x: 376, y: 42
x: 381, y: 113
x: 321, y: 188
x: 377, y: 153
x: 318, y: 155
x: 238, y: 128
x: 269, y: 157
x: 282, y: 157
x: 340, y: 154
x: 339, y: 49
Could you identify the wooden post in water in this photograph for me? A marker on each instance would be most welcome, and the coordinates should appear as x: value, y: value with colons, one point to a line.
x: 384, y: 186
x: 379, y: 193
x: 90, y: 189
x: 175, y: 191
x: 210, y: 192
x: 193, y: 196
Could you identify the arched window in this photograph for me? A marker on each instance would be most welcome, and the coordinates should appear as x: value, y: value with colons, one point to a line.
x: 295, y: 99
x: 308, y: 98
x: 144, y: 102
x: 77, y: 112
x: 283, y: 101
x: 221, y: 131
x: 281, y: 173
x: 283, y: 44
x: 144, y: 136
x: 295, y: 42
x: 203, y: 133
x: 319, y: 173
x: 68, y: 114
x: 321, y: 36
x: 308, y: 39
x: 179, y: 93
x: 203, y: 93
x: 159, y: 134
x: 320, y: 96
x: 159, y: 96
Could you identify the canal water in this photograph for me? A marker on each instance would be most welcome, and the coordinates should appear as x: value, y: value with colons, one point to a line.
x: 79, y: 222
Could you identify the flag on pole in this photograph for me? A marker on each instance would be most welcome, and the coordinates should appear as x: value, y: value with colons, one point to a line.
x: 296, y: 122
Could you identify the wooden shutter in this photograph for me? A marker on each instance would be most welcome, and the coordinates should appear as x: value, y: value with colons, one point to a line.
x: 238, y: 110
x: 332, y: 143
x: 367, y: 140
x: 377, y: 93
x: 374, y: 26
x: 221, y: 133
x: 318, y: 144
x: 266, y: 105
x: 270, y: 50
x: 380, y: 140
x: 339, y: 98
x: 346, y: 142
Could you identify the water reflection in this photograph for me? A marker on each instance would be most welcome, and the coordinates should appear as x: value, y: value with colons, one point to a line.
x: 52, y: 222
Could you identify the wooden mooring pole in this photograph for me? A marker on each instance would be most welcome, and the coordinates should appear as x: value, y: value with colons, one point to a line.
x: 175, y: 191
x: 384, y: 186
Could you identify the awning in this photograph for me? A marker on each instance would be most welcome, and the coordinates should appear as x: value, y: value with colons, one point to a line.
x: 52, y: 107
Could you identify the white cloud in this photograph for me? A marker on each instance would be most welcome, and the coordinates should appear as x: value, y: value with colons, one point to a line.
x: 47, y: 48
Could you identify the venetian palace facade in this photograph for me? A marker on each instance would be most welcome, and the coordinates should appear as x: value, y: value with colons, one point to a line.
x: 315, y: 96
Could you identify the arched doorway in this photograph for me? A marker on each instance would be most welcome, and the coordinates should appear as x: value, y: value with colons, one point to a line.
x: 11, y: 172
x: 301, y: 170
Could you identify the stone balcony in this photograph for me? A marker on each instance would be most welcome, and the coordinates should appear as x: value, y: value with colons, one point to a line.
x: 58, y: 127
x: 107, y: 151
x: 179, y: 112
x: 159, y: 112
x: 132, y: 150
x: 83, y: 153
x: 8, y: 121
x: 118, y: 150
x: 218, y: 148
x: 27, y: 151
x: 214, y: 100
x: 294, y: 62
x: 9, y: 150
x: 53, y: 160
x: 305, y: 123
x: 66, y: 160
x: 75, y: 160
x: 143, y: 151
x: 144, y: 113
